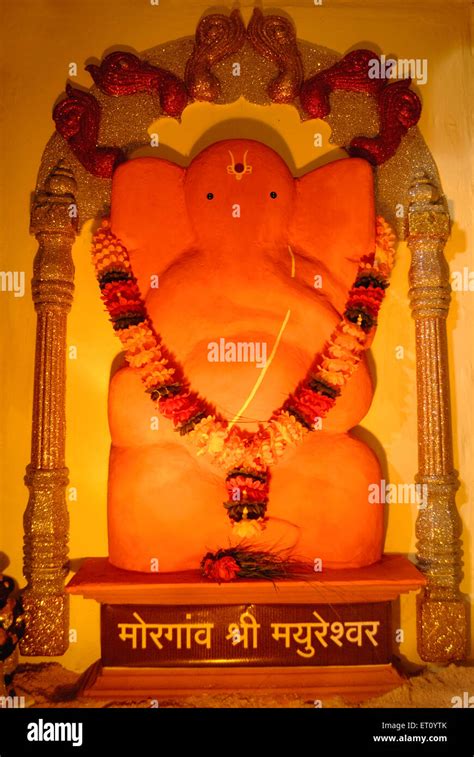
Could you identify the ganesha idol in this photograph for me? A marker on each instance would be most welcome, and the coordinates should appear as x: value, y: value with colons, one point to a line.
x: 245, y: 300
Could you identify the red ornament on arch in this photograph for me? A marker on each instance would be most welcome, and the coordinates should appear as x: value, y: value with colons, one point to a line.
x: 399, y: 107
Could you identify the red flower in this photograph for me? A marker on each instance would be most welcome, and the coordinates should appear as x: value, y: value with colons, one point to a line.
x: 369, y: 298
x: 223, y: 569
x: 251, y: 490
x: 122, y: 298
x: 115, y: 291
x: 122, y: 309
x: 182, y: 407
x: 310, y: 404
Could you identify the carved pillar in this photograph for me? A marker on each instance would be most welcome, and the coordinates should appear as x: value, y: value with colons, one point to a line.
x: 46, y: 519
x: 442, y: 618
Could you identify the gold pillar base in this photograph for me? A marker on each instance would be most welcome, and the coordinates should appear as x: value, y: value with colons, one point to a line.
x: 46, y: 632
x: 442, y: 629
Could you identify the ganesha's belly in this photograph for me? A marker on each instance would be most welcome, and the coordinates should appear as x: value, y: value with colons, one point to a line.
x: 236, y: 390
x: 246, y: 353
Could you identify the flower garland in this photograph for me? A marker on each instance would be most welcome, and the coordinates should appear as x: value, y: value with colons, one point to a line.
x: 246, y: 456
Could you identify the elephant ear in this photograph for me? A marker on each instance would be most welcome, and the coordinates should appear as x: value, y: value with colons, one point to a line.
x: 149, y: 215
x: 333, y: 223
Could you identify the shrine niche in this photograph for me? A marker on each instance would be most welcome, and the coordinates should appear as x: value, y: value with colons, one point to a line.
x: 235, y: 542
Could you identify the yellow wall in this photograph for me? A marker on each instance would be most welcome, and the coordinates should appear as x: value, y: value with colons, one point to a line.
x: 40, y: 39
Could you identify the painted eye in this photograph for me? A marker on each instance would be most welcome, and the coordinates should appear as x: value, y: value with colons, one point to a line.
x: 273, y: 195
x: 210, y: 196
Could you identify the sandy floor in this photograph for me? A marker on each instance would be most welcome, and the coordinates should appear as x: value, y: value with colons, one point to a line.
x: 51, y: 685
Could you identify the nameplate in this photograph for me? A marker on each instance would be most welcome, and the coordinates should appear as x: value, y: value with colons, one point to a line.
x: 160, y: 636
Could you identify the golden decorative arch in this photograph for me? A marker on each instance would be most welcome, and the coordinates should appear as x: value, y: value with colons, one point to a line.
x: 98, y: 128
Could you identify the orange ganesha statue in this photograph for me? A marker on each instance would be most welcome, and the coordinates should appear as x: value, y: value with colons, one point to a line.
x: 245, y: 273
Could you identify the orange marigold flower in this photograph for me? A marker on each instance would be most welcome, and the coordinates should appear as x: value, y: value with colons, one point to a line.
x: 139, y: 335
x: 347, y: 342
x: 337, y: 366
x: 340, y: 353
x: 144, y: 357
x: 156, y: 377
x: 347, y: 327
x: 385, y: 244
x: 335, y: 379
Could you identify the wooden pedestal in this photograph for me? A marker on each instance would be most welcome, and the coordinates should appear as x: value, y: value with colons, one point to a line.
x: 179, y: 634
